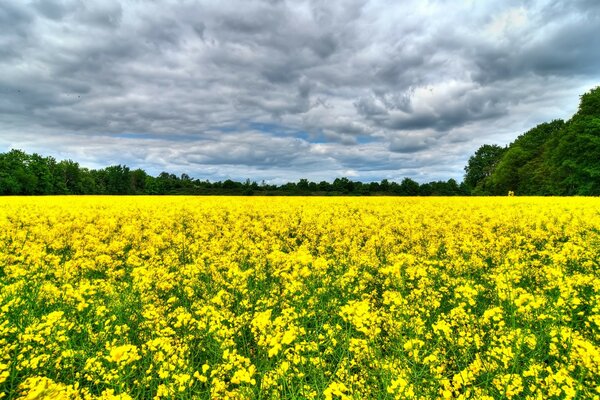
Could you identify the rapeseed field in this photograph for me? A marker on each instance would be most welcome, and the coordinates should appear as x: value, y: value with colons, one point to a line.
x: 293, y: 298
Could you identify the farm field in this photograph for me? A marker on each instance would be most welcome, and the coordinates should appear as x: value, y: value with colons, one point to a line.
x: 324, y: 298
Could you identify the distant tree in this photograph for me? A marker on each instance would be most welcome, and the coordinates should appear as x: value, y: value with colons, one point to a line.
x: 374, y: 187
x: 518, y: 168
x: 590, y: 104
x: 409, y: 187
x: 362, y: 189
x: 100, y: 181
x: 384, y: 186
x: 166, y: 183
x: 577, y: 157
x: 453, y: 188
x: 426, y: 189
x: 343, y: 185
x: 577, y: 153
x: 59, y: 178
x: 556, y: 158
x: 87, y: 182
x: 229, y: 184
x: 40, y: 167
x: 15, y: 177
x: 248, y: 189
x: 481, y: 165
x: 139, y: 178
x: 289, y: 188
x: 118, y: 179
x: 63, y: 177
x: 324, y: 186
x: 302, y: 185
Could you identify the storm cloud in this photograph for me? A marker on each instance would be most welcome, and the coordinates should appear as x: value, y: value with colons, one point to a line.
x: 279, y: 90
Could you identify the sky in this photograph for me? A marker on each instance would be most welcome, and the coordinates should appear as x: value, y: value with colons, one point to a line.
x: 279, y: 90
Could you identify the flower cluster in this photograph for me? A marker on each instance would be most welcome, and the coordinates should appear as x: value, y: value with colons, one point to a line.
x: 317, y: 298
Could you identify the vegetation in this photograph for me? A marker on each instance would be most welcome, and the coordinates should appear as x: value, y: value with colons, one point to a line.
x: 325, y: 298
x: 555, y: 158
x: 32, y: 174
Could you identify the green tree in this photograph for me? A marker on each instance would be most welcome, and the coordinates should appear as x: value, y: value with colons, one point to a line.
x: 324, y: 186
x: 72, y: 176
x: 40, y: 167
x: 409, y: 187
x: 519, y: 168
x: 118, y: 179
x: 481, y: 165
x: 384, y: 185
x: 87, y: 182
x: 556, y: 158
x: 577, y: 153
x: 16, y: 175
x: 578, y: 157
x: 138, y: 181
x: 590, y: 104
x: 343, y: 185
x: 302, y: 185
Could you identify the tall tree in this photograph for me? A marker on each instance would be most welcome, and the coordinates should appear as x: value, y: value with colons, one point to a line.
x: 40, y: 167
x: 481, y: 165
x: 556, y: 158
x: 138, y: 181
x: 518, y: 170
x: 409, y: 187
x: 15, y: 176
x: 118, y: 179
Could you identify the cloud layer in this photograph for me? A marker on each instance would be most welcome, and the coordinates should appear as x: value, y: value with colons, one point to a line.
x: 279, y: 90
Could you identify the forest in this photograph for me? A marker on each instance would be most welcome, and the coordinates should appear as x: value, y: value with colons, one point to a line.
x: 560, y: 158
x: 33, y: 174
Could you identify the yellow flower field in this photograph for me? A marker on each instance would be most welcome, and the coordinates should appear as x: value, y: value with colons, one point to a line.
x: 325, y: 298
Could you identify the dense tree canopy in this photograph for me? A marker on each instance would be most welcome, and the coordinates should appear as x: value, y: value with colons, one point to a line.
x: 555, y: 158
x: 32, y: 174
x: 481, y: 165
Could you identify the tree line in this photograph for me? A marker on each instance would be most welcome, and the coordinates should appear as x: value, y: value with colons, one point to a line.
x: 560, y: 158
x: 32, y: 174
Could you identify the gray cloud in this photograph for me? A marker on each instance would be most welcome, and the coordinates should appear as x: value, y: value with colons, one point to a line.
x: 272, y: 89
x: 411, y: 144
x: 552, y: 39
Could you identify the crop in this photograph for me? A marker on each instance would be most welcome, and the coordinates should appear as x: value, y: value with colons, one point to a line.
x: 326, y: 298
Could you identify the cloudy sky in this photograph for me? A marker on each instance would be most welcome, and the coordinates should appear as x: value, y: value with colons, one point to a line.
x: 281, y: 89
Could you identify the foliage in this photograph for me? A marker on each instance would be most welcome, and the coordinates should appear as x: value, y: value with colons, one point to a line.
x: 287, y: 298
x: 556, y: 158
x: 517, y: 169
x: 481, y: 165
x: 25, y: 174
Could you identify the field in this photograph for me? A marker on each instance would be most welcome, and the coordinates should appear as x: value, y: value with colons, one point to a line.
x: 326, y: 298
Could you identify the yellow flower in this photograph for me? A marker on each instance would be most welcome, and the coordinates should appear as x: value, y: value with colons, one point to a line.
x: 123, y: 355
